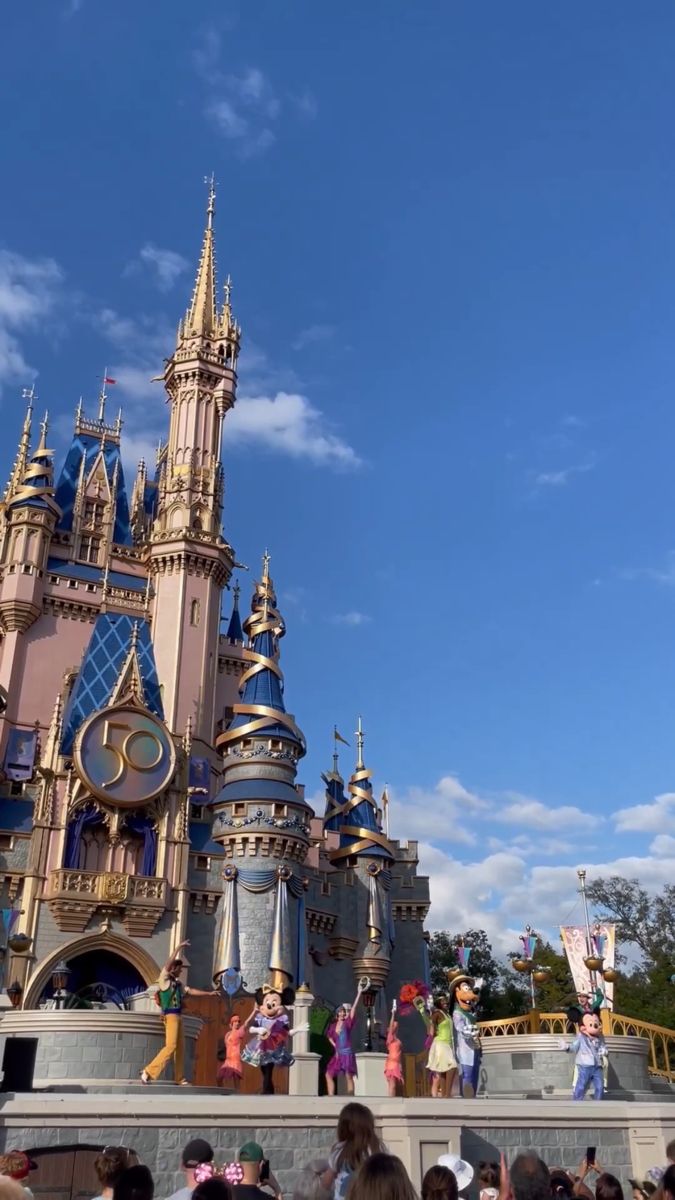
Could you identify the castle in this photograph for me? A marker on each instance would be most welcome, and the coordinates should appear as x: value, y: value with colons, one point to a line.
x: 148, y: 762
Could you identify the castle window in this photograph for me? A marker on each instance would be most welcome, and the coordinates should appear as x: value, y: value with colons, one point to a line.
x: 239, y: 810
x: 92, y: 513
x: 72, y: 583
x: 194, y: 612
x: 6, y: 841
x: 202, y: 862
x: 16, y: 789
x: 279, y: 810
x: 197, y: 812
x: 89, y: 548
x: 325, y: 887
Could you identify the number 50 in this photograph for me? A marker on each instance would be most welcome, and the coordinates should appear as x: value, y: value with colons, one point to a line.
x: 124, y: 753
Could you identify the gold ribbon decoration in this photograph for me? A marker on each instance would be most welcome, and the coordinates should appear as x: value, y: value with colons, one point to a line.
x: 366, y: 837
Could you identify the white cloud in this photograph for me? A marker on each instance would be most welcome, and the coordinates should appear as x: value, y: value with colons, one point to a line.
x: 165, y: 266
x: 658, y: 817
x: 562, y: 477
x: 663, y: 846
x: 289, y: 424
x: 312, y: 335
x: 664, y: 574
x: 352, y: 618
x: 535, y: 815
x: 446, y: 812
x: 29, y: 292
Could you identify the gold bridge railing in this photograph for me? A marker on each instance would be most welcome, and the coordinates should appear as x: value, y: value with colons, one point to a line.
x: 661, y: 1042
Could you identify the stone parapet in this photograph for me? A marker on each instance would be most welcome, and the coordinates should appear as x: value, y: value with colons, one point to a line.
x: 534, y: 1064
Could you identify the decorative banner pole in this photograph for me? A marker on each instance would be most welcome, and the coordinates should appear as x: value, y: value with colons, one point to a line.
x: 526, y: 965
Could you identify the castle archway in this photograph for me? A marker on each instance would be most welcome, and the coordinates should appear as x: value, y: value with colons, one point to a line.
x: 92, y: 951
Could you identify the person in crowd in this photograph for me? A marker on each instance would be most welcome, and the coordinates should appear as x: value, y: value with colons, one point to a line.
x: 381, y: 1177
x: 108, y: 1167
x: 562, y: 1184
x: 256, y: 1175
x: 668, y: 1181
x: 530, y: 1178
x: 135, y: 1183
x: 17, y: 1165
x: 608, y: 1187
x: 642, y: 1189
x: 196, y: 1152
x: 488, y: 1180
x: 462, y: 1171
x: 309, y: 1183
x: 212, y: 1189
x: 10, y: 1189
x: 439, y: 1183
x: 170, y: 994
x: 356, y: 1141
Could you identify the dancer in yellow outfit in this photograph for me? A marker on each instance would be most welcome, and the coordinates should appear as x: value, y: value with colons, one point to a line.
x: 171, y: 992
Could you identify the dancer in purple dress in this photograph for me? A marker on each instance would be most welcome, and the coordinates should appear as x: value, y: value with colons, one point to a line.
x: 343, y: 1061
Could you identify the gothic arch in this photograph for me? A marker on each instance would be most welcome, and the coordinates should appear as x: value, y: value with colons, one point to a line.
x: 123, y: 946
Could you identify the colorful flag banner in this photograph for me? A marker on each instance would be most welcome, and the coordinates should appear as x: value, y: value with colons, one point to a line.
x: 338, y: 737
x: 529, y: 941
x: 599, y: 942
x: 20, y: 754
x: 463, y: 956
x: 9, y: 918
x: 576, y: 949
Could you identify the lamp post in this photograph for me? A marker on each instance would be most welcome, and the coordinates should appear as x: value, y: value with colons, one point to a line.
x: 369, y: 997
x: 60, y: 976
x: 526, y: 965
x: 15, y: 993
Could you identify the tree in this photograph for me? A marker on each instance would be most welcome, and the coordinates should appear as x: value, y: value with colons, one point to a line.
x: 645, y: 928
x: 502, y: 995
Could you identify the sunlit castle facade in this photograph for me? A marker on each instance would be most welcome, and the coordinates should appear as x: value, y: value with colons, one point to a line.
x: 148, y: 786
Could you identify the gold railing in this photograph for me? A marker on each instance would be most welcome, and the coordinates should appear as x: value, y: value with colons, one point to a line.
x: 111, y: 887
x: 661, y: 1042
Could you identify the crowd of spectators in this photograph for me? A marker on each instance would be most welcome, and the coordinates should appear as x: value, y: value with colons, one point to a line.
x: 358, y: 1167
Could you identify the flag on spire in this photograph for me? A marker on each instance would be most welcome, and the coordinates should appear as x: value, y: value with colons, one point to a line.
x: 338, y: 736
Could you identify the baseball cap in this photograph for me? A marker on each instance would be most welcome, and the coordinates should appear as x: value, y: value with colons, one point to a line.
x: 197, y: 1151
x: 251, y: 1152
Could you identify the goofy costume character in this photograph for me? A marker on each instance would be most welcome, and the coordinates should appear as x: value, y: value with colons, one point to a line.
x: 464, y: 996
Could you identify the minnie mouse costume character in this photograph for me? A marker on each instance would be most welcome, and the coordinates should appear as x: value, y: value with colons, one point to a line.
x: 268, y: 1049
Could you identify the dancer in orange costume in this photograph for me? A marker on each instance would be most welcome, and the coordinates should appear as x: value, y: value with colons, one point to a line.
x: 392, y: 1067
x: 231, y: 1070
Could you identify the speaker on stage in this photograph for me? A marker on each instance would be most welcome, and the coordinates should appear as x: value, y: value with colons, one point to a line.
x: 18, y: 1064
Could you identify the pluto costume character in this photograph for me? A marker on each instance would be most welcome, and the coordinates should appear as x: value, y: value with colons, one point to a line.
x: 464, y: 996
x: 271, y: 1029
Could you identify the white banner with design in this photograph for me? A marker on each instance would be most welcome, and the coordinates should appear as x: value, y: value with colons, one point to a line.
x: 576, y: 949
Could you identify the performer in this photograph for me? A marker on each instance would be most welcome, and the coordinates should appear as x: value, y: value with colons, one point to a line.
x: 231, y: 1071
x: 170, y: 999
x: 590, y: 1051
x: 269, y: 1049
x: 464, y: 992
x: 392, y: 1067
x: 339, y: 1034
x: 441, y: 1062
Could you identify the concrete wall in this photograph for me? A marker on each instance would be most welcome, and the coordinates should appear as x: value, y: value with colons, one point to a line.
x: 534, y: 1064
x: 630, y: 1138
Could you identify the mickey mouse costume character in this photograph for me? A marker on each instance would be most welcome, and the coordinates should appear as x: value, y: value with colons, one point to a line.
x: 465, y: 993
x: 268, y: 1049
x: 590, y: 1050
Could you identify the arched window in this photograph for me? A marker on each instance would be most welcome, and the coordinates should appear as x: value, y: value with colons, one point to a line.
x: 194, y: 612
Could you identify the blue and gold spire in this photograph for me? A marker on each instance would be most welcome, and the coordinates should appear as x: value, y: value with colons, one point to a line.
x: 235, y: 633
x: 262, y: 711
x: 36, y: 489
x: 356, y: 820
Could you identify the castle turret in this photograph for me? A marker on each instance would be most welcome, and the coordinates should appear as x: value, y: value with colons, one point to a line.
x: 261, y: 818
x: 31, y: 516
x: 190, y: 562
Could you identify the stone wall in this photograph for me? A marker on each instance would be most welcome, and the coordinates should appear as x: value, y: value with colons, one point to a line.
x: 534, y: 1064
x: 629, y: 1138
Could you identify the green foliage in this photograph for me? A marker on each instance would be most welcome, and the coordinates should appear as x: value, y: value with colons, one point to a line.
x: 505, y: 993
x: 645, y: 929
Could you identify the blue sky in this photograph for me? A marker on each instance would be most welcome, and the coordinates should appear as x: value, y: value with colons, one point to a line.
x: 450, y: 229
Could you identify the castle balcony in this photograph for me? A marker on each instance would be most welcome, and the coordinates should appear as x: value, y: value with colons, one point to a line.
x: 74, y: 896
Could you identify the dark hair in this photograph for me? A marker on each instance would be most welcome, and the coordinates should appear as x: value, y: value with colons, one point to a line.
x: 668, y: 1180
x: 134, y: 1184
x: 356, y: 1132
x: 530, y: 1179
x: 488, y: 1174
x: 670, y: 1151
x: 381, y: 1177
x: 439, y: 1183
x: 562, y: 1187
x: 607, y: 1187
x: 109, y: 1165
x: 212, y: 1189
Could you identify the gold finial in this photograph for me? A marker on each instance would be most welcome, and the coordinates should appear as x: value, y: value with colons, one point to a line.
x: 78, y: 410
x: 228, y: 291
x: 211, y: 206
x: 266, y: 567
x: 44, y: 426
x: 30, y: 395
x: 134, y: 635
x: 103, y: 396
x: 359, y: 745
x: 146, y: 602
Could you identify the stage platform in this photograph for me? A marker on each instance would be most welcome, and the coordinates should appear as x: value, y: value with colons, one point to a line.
x: 156, y: 1121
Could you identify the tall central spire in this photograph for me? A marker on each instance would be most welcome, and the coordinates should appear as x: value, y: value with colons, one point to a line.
x: 201, y: 317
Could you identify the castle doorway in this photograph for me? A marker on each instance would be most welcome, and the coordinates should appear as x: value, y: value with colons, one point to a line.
x: 216, y: 1011
x: 97, y: 978
x: 66, y: 1173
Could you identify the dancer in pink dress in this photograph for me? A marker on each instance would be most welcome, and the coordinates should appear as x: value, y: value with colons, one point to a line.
x: 231, y: 1070
x: 393, y: 1072
x: 339, y: 1035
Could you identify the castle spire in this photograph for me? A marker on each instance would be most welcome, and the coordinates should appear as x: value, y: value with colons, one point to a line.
x: 21, y: 460
x: 235, y: 633
x: 37, y: 485
x: 356, y: 820
x: 201, y: 317
x: 262, y: 710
